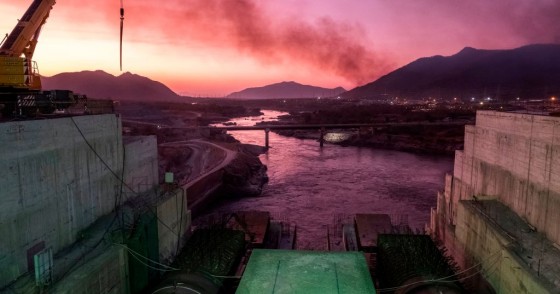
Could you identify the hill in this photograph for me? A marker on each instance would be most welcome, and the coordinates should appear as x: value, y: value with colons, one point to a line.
x: 529, y: 72
x: 286, y: 90
x: 101, y: 85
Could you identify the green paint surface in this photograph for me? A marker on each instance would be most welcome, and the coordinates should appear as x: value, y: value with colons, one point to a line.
x: 291, y: 271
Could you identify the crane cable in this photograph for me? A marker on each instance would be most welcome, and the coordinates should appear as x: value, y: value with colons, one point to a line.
x: 122, y: 20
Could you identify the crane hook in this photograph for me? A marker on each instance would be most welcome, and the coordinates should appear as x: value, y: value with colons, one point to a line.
x: 122, y: 20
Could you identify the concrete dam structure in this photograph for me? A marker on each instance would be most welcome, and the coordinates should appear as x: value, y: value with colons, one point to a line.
x: 77, y: 199
x: 499, y: 214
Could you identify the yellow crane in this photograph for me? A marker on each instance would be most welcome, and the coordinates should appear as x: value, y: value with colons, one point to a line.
x: 18, y: 70
x: 20, y: 83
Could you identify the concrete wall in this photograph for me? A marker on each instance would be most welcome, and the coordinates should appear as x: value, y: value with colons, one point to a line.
x: 484, y: 242
x: 516, y: 159
x: 141, y: 163
x: 107, y: 273
x: 52, y: 184
x: 173, y: 225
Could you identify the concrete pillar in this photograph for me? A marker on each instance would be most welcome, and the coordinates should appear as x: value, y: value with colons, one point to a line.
x: 322, y: 137
x: 266, y: 131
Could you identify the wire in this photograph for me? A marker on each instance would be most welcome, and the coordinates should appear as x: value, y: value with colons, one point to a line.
x: 100, y: 158
x: 180, y: 219
x: 443, y: 280
x: 90, y: 249
x: 147, y: 265
x: 119, y: 178
x: 180, y: 286
x: 137, y: 255
x: 146, y: 258
x: 493, y: 255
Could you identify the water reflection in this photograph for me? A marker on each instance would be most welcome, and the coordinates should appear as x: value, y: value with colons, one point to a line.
x: 309, y: 185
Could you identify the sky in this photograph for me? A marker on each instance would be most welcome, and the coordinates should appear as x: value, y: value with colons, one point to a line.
x: 215, y: 47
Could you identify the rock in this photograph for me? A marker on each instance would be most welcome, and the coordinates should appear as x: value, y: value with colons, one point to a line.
x: 245, y: 176
x: 254, y: 150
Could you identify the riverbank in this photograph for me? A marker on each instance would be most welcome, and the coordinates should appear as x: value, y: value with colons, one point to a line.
x: 436, y: 140
x: 314, y: 186
x: 210, y: 165
x: 443, y: 137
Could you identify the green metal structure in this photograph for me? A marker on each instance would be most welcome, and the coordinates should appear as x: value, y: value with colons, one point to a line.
x: 309, y: 272
x: 144, y: 242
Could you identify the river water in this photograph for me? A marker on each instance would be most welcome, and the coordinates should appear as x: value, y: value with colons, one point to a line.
x: 311, y: 186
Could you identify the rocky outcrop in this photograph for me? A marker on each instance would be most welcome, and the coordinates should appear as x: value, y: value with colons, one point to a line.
x: 245, y: 176
x: 436, y: 146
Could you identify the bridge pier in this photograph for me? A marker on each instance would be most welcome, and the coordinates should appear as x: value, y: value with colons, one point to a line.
x: 266, y: 131
x: 322, y: 137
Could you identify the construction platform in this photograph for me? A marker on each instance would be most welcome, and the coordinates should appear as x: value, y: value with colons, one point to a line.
x: 368, y: 227
x: 291, y: 271
x: 254, y: 223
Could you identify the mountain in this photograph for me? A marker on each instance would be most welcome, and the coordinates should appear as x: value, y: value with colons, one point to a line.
x: 286, y: 90
x: 101, y: 85
x: 530, y: 72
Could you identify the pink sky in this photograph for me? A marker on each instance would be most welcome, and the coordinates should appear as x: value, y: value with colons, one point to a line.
x: 214, y: 47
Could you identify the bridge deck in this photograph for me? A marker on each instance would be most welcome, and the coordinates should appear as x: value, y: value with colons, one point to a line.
x: 330, y: 126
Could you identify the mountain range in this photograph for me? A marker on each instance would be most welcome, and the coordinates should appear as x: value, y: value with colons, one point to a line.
x: 286, y: 90
x: 531, y: 71
x: 528, y: 72
x: 101, y: 85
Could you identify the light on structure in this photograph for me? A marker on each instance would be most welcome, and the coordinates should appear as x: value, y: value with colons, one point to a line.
x: 169, y: 178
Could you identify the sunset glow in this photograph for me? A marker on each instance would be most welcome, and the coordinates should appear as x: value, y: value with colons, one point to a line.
x: 214, y: 47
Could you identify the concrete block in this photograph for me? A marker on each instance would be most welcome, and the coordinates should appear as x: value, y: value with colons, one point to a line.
x: 141, y: 162
x: 106, y: 273
x: 53, y: 182
x: 173, y: 225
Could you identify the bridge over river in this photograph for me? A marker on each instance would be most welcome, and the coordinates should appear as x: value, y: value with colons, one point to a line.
x: 324, y: 127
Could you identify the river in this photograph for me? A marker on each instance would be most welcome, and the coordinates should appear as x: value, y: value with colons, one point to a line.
x: 310, y: 186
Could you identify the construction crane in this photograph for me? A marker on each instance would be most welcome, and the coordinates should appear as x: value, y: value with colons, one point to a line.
x: 20, y: 83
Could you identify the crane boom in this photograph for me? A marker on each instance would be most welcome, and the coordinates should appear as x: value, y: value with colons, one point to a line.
x: 17, y: 69
x: 23, y: 38
x: 20, y: 83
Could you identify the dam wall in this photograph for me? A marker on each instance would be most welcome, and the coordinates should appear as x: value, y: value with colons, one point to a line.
x: 141, y: 163
x: 173, y: 225
x: 54, y: 184
x: 514, y: 158
x: 508, y: 172
x: 58, y: 176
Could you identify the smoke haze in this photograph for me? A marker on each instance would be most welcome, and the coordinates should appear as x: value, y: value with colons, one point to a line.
x: 336, y: 48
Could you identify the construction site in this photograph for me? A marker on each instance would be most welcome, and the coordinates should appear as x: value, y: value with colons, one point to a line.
x: 87, y: 207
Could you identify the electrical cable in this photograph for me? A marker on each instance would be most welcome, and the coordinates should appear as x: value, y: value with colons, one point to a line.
x: 117, y: 176
x: 147, y: 265
x: 180, y: 220
x: 100, y: 158
x: 493, y: 255
x: 180, y: 286
x: 118, y: 201
x: 146, y: 258
x: 138, y: 255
